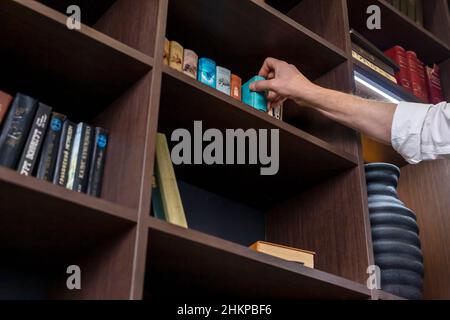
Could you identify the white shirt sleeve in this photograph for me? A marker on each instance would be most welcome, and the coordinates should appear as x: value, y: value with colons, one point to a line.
x: 421, y: 131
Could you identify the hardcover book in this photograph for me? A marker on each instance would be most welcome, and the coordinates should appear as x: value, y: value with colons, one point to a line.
x: 176, y: 56
x: 166, y: 51
x: 5, y: 102
x: 35, y: 140
x: 47, y: 160
x: 223, y: 79
x: 276, y: 112
x: 434, y: 84
x: 190, y: 62
x: 16, y: 128
x: 80, y: 158
x: 287, y: 253
x: 236, y: 84
x: 64, y: 153
x: 423, y: 82
x: 207, y: 72
x: 97, y: 162
x: 254, y: 99
x: 414, y: 73
x: 398, y: 54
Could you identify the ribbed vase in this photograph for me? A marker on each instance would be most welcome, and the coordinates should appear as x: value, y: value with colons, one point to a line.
x: 395, y: 234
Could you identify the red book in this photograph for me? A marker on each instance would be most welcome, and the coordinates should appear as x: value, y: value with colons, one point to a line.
x: 398, y: 54
x: 423, y: 81
x: 434, y: 84
x: 5, y: 101
x: 416, y: 83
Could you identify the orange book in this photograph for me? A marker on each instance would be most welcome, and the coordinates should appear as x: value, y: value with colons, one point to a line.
x: 236, y: 84
x: 5, y: 102
x: 287, y: 253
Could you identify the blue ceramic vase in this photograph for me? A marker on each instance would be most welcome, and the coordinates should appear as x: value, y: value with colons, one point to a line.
x: 395, y: 234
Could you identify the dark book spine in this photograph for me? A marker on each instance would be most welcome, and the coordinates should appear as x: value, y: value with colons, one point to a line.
x: 49, y: 154
x: 98, y: 162
x: 16, y: 129
x: 35, y: 139
x: 5, y: 102
x: 64, y: 154
x: 373, y: 59
x: 84, y: 159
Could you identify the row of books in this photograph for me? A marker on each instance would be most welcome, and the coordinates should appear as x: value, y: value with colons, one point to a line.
x: 167, y: 205
x: 38, y: 142
x: 413, y: 9
x: 208, y: 72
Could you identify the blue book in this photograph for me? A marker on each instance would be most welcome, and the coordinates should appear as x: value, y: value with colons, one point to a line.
x: 207, y: 72
x: 254, y: 99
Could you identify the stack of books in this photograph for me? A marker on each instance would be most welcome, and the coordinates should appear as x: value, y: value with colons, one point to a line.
x: 412, y: 9
x: 38, y: 142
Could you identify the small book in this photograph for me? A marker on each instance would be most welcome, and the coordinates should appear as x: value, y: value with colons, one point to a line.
x: 5, y: 102
x: 190, y: 62
x: 403, y: 76
x: 434, y: 84
x: 207, y: 72
x: 166, y: 51
x: 287, y: 253
x: 64, y: 154
x: 276, y: 112
x: 419, y: 12
x: 223, y: 79
x: 412, y: 9
x: 80, y: 158
x: 35, y: 140
x: 236, y: 84
x: 97, y: 162
x: 176, y: 56
x: 49, y: 153
x: 16, y: 128
x: 254, y: 99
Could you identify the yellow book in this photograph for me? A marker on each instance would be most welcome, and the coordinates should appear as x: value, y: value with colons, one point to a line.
x: 375, y: 68
x: 166, y: 51
x: 286, y: 253
x: 167, y: 183
x: 176, y: 56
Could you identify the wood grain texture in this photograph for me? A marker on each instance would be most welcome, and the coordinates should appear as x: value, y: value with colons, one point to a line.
x: 425, y: 189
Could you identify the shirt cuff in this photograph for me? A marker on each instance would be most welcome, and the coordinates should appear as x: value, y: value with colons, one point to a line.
x: 409, y: 119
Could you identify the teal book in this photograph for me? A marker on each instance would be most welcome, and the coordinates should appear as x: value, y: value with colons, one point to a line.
x: 254, y: 99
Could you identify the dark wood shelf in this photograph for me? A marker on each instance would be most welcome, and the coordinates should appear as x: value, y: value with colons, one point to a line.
x: 79, y: 72
x: 382, y: 295
x: 197, y: 264
x: 397, y: 29
x: 38, y: 216
x: 304, y: 159
x: 231, y: 33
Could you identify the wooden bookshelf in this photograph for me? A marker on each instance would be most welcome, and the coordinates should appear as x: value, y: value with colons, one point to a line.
x: 110, y: 73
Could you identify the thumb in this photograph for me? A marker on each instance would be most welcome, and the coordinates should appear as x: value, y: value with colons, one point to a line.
x: 262, y: 85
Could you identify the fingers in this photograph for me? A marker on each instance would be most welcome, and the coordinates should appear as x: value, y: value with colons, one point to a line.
x: 268, y: 67
x: 261, y: 85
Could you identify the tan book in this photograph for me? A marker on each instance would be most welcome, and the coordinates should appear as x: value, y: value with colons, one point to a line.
x: 176, y: 56
x: 190, y: 62
x: 166, y: 51
x: 287, y: 253
x: 167, y: 183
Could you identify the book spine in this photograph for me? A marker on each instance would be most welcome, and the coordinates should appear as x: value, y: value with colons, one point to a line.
x: 49, y: 154
x: 375, y: 68
x: 404, y: 7
x: 398, y: 54
x: 81, y: 177
x: 64, y: 154
x: 396, y: 4
x: 98, y: 162
x: 207, y: 72
x: 412, y: 9
x: 166, y: 51
x: 73, y: 162
x: 190, y: 63
x: 414, y: 72
x: 423, y: 82
x: 223, y: 79
x: 36, y: 137
x: 434, y: 84
x: 16, y: 129
x: 5, y: 102
x: 176, y: 56
x: 374, y: 60
x: 236, y: 85
x: 419, y: 12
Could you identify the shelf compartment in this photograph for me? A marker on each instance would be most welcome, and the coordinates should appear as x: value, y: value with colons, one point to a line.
x: 397, y: 29
x: 203, y: 266
x: 303, y: 159
x: 231, y: 33
x: 82, y: 70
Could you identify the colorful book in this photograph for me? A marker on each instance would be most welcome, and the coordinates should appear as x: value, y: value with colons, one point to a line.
x: 236, y: 87
x: 49, y: 153
x: 16, y: 128
x: 398, y: 55
x: 5, y: 102
x: 433, y: 79
x: 223, y: 80
x: 98, y: 162
x: 167, y: 184
x: 190, y: 63
x: 166, y: 51
x: 254, y: 99
x: 64, y: 154
x: 303, y: 257
x: 35, y: 140
x: 176, y: 56
x: 80, y: 158
x: 207, y: 72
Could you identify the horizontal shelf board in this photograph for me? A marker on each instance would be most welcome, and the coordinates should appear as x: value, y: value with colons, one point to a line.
x: 77, y: 72
x: 37, y: 215
x: 382, y: 295
x: 303, y: 159
x: 397, y: 29
x: 197, y: 264
x: 231, y: 32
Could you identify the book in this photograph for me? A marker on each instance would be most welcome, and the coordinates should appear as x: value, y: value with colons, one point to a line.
x: 80, y: 158
x: 411, y: 11
x: 276, y: 112
x: 423, y: 82
x: 404, y: 7
x: 414, y: 74
x: 157, y: 206
x: 16, y: 128
x: 49, y: 153
x: 190, y: 62
x: 419, y: 12
x: 398, y: 55
x: 176, y: 56
x: 166, y: 54
x: 167, y: 184
x: 35, y: 140
x: 254, y: 99
x: 101, y: 140
x: 396, y: 4
x: 433, y: 79
x: 207, y: 72
x: 64, y: 154
x: 223, y: 80
x: 236, y: 84
x: 374, y: 67
x: 5, y: 102
x: 287, y: 253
